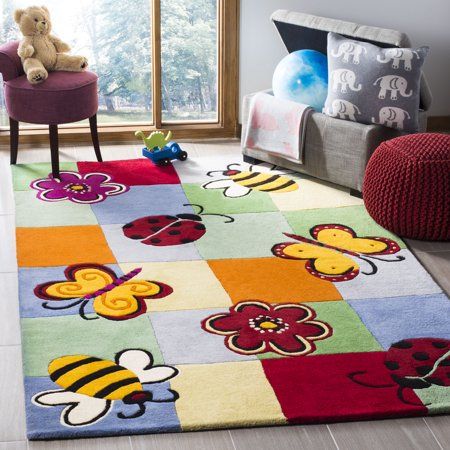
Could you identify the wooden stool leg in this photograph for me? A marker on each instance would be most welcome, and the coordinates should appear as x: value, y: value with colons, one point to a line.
x: 14, y: 139
x: 94, y: 135
x: 54, y: 150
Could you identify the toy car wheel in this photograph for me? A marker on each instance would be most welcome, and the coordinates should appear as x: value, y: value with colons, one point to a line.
x: 183, y: 156
x: 164, y: 162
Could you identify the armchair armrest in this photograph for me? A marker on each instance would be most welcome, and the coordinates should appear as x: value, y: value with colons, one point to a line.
x: 10, y: 63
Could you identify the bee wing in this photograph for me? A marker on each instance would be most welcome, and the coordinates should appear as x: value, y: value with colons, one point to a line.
x: 264, y: 168
x: 218, y: 184
x: 81, y: 410
x: 232, y: 189
x: 141, y: 363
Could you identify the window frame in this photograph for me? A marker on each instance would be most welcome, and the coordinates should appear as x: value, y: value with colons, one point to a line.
x: 226, y: 125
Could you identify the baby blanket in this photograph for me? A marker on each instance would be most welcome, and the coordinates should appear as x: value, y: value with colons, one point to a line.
x: 277, y: 126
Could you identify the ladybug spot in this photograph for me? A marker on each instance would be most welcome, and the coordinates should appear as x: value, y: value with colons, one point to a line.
x: 199, y: 226
x: 446, y: 362
x: 391, y: 365
x: 424, y: 370
x: 439, y: 344
x: 174, y: 232
x: 402, y: 344
x: 127, y: 225
x: 155, y: 229
x: 421, y: 356
x: 136, y: 236
x: 152, y: 220
x: 176, y: 224
x: 155, y: 240
x: 185, y: 240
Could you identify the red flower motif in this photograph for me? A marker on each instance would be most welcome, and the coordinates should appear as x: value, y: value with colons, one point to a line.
x: 256, y: 327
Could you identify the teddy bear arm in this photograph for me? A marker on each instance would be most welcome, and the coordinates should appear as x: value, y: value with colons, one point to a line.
x: 26, y: 48
x: 61, y: 47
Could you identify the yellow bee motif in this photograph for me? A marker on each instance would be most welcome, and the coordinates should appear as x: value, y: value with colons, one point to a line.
x: 240, y: 183
x: 91, y: 385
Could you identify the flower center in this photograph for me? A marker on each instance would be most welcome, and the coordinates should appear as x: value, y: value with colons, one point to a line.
x: 267, y: 324
x: 78, y: 188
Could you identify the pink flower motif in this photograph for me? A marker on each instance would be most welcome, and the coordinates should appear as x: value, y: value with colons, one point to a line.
x: 77, y: 188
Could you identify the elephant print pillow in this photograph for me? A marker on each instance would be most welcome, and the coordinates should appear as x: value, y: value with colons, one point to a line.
x: 374, y: 85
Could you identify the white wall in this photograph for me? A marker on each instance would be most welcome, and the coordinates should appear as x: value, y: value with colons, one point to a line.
x: 427, y: 22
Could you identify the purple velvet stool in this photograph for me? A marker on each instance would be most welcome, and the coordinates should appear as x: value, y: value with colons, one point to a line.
x: 63, y: 98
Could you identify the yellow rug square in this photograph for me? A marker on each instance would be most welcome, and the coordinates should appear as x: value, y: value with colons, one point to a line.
x: 193, y: 282
x: 225, y: 395
x: 313, y: 195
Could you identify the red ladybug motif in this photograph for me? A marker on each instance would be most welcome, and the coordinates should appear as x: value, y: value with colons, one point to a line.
x: 168, y: 230
x: 414, y: 364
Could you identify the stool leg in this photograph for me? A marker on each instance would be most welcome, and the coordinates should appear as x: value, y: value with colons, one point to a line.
x: 94, y: 135
x: 14, y: 139
x: 54, y: 150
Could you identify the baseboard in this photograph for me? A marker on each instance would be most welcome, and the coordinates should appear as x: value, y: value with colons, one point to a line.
x: 438, y: 123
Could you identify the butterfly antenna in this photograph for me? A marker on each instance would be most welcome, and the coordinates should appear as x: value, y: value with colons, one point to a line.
x: 56, y: 308
x: 138, y: 413
x: 83, y: 312
x: 200, y: 207
x: 354, y: 374
x: 233, y: 164
x: 371, y: 264
x: 397, y: 258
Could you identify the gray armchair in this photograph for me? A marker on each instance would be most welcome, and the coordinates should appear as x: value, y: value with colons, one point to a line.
x: 335, y: 150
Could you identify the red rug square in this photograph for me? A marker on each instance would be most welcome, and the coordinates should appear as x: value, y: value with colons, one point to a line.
x: 132, y: 172
x: 315, y: 389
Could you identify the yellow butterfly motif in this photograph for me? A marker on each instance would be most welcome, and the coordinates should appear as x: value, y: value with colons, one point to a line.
x: 113, y: 297
x: 329, y: 255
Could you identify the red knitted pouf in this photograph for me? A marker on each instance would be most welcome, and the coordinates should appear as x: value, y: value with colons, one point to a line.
x: 407, y: 186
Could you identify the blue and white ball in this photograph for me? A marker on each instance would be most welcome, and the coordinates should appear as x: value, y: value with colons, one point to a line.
x: 302, y: 77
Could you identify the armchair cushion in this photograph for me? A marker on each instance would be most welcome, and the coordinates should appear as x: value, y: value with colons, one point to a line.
x: 10, y: 63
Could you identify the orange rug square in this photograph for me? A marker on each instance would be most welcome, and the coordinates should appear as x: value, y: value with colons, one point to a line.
x: 273, y: 280
x: 61, y: 246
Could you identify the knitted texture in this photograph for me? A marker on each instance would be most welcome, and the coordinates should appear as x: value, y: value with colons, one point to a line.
x: 407, y: 186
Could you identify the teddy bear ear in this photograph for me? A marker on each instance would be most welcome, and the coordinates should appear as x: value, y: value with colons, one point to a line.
x: 18, y: 14
x: 45, y: 9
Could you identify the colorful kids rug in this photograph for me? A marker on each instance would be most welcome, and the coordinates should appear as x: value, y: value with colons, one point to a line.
x: 214, y: 294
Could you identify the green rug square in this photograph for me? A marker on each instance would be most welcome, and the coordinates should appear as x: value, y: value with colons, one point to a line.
x: 45, y: 339
x: 355, y: 217
x: 349, y: 333
x: 24, y: 174
x: 214, y: 201
x: 32, y: 212
x: 249, y: 236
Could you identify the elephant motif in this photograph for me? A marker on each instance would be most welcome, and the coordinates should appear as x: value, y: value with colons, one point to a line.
x: 349, y: 49
x: 345, y: 79
x: 398, y: 54
x: 343, y: 109
x: 393, y: 83
x: 392, y: 117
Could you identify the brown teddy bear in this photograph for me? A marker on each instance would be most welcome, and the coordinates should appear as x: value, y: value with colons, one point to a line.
x: 39, y: 50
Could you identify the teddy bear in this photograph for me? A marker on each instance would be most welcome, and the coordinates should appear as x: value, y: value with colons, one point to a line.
x: 39, y: 50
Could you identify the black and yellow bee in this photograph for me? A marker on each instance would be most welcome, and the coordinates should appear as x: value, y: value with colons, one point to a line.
x: 240, y: 183
x: 90, y: 385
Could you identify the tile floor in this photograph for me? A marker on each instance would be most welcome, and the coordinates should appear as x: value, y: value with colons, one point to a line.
x: 417, y: 433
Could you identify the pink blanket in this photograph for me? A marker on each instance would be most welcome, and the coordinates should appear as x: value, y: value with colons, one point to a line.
x: 277, y: 126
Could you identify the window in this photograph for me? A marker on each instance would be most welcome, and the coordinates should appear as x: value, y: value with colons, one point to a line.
x: 160, y: 62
